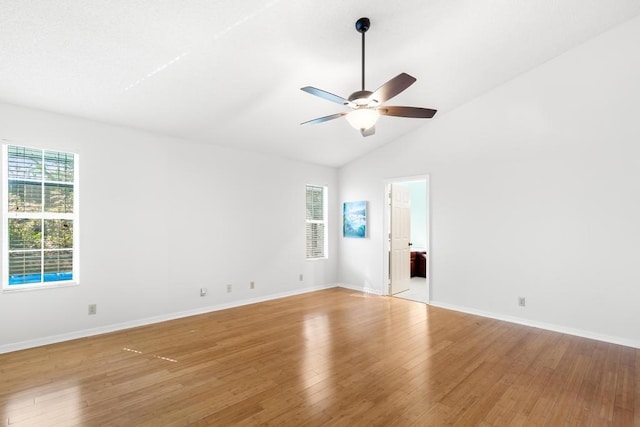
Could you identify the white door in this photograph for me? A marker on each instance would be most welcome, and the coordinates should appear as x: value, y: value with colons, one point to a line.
x: 400, y: 257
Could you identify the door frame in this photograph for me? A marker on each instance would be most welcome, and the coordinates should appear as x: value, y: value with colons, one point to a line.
x: 386, y: 227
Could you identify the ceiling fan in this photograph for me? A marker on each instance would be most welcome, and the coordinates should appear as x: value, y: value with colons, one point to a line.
x: 366, y: 106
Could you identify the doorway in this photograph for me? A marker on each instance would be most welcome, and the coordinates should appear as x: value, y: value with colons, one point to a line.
x: 413, y: 262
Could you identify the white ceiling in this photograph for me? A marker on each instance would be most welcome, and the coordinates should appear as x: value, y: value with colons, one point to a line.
x: 229, y: 72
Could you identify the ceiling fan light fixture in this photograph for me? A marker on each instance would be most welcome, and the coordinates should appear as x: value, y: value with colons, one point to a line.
x: 363, y: 118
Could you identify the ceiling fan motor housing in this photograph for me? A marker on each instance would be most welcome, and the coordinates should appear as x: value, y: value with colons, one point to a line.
x: 361, y: 98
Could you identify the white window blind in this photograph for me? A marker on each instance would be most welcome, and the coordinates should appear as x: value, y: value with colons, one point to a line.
x: 316, y: 222
x: 40, y: 217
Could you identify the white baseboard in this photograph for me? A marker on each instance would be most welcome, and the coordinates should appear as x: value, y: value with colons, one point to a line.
x: 512, y: 319
x: 542, y: 325
x: 360, y: 289
x: 22, y: 345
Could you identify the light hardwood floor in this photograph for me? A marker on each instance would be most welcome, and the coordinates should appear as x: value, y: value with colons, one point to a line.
x: 333, y: 357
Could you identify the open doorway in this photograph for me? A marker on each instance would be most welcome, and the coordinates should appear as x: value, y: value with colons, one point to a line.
x: 407, y: 249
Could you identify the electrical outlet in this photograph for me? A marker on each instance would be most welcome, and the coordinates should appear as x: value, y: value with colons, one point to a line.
x: 301, y: 277
x: 203, y: 292
x: 93, y: 308
x: 521, y: 301
x: 228, y: 288
x: 252, y: 285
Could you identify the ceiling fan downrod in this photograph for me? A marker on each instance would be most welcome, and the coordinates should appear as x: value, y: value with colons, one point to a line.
x: 362, y: 25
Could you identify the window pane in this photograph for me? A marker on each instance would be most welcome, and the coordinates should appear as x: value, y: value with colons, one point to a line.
x: 58, y: 234
x: 58, y: 265
x: 25, y: 267
x: 315, y: 203
x: 58, y: 166
x: 58, y: 198
x: 25, y: 196
x: 315, y: 240
x: 24, y: 163
x: 25, y: 233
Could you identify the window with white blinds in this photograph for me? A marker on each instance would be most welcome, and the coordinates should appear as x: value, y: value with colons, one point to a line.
x: 39, y: 217
x: 316, y: 226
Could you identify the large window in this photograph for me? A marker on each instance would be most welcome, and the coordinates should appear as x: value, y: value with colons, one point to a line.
x: 39, y: 218
x: 316, y: 222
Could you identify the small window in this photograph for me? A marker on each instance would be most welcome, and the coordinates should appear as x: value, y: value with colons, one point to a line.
x: 39, y: 217
x: 316, y: 222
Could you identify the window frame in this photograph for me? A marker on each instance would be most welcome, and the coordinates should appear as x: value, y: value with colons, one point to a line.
x: 324, y: 221
x: 43, y: 217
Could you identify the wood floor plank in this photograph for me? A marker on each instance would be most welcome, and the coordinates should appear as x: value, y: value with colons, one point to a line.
x: 333, y: 357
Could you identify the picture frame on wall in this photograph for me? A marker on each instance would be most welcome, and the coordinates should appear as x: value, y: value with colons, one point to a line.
x: 354, y: 219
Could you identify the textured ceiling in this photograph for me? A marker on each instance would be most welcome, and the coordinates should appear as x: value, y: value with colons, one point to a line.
x: 229, y: 72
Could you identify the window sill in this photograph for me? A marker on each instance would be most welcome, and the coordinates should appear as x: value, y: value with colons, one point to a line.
x: 11, y: 290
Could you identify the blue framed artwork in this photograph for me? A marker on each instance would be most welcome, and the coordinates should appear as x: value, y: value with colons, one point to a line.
x: 354, y: 219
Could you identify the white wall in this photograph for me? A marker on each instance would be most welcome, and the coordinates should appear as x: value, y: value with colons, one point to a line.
x: 161, y: 218
x: 535, y: 192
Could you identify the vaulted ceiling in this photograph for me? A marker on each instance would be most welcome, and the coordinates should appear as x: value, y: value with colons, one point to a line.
x: 229, y: 72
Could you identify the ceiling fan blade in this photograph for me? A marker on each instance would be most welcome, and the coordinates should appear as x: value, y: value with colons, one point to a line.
x: 326, y: 95
x: 368, y: 132
x: 323, y: 119
x: 392, y: 87
x: 413, y: 112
